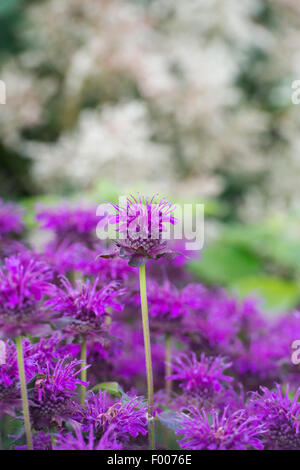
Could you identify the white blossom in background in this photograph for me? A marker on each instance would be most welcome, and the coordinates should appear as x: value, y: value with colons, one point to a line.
x: 117, y: 137
x: 152, y: 91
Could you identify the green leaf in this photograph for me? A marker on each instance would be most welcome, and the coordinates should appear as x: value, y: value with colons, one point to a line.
x: 9, y: 6
x: 224, y: 262
x: 111, y: 387
x: 278, y: 294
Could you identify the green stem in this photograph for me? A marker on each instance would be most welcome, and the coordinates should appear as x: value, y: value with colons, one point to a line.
x: 24, y: 392
x: 168, y: 366
x: 83, y: 373
x: 147, y: 343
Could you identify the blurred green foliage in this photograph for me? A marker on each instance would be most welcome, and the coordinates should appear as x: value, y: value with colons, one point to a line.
x: 262, y: 260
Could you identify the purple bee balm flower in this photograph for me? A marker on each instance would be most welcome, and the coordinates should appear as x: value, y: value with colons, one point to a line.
x: 259, y: 363
x: 140, y: 224
x: 10, y: 396
x: 220, y: 431
x: 87, y: 441
x: 280, y: 413
x: 168, y: 305
x: 204, y: 377
x: 53, y: 396
x: 51, y: 349
x: 107, y: 270
x: 40, y: 440
x: 24, y: 281
x: 86, y: 306
x: 65, y: 257
x: 127, y: 416
x: 131, y: 367
x: 74, y: 224
x: 10, y: 219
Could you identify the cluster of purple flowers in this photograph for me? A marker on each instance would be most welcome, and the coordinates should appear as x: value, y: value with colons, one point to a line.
x: 223, y: 375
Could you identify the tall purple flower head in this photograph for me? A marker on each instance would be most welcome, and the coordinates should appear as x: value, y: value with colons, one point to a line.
x: 204, y: 377
x: 140, y: 224
x: 53, y: 396
x: 74, y: 224
x: 86, y: 306
x: 10, y: 219
x: 87, y: 440
x: 128, y: 416
x: 24, y: 282
x: 281, y: 416
x: 220, y: 431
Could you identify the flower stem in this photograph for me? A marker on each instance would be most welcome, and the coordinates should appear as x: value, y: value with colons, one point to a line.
x: 24, y: 392
x: 83, y: 373
x: 146, y: 330
x: 168, y: 366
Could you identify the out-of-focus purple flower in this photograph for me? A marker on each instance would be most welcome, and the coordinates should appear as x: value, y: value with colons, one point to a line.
x: 40, y: 441
x: 222, y: 324
x: 168, y: 305
x: 77, y: 257
x: 220, y: 431
x: 11, y: 225
x: 10, y: 219
x: 259, y: 363
x: 10, y: 396
x: 107, y: 270
x: 53, y: 396
x: 140, y: 224
x: 65, y: 257
x: 24, y: 281
x: 280, y: 414
x: 215, y: 328
x: 86, y: 306
x: 131, y: 367
x: 173, y: 268
x: 205, y: 377
x: 127, y: 416
x: 74, y: 224
x: 283, y: 332
x: 87, y: 441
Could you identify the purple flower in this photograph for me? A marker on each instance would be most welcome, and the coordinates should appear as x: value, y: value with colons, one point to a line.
x: 220, y: 431
x: 40, y: 440
x: 10, y: 396
x: 74, y: 224
x: 131, y: 367
x: 140, y: 224
x: 259, y: 363
x: 87, y: 441
x: 281, y: 416
x: 24, y: 281
x: 51, y: 349
x: 168, y: 305
x: 204, y: 377
x: 10, y: 219
x: 86, y: 305
x: 106, y: 270
x: 127, y: 416
x: 53, y: 396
